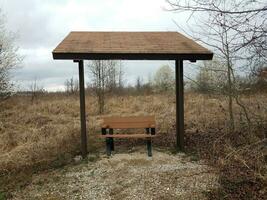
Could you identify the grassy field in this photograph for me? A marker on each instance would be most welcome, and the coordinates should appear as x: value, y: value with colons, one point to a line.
x: 46, y: 134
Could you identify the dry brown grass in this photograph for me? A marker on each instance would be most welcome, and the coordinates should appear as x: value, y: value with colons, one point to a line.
x: 47, y: 132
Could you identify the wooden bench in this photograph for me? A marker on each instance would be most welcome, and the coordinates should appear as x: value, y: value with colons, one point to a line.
x: 110, y: 123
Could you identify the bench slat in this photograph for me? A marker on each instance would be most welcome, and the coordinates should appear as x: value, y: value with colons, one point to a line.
x: 127, y: 136
x: 129, y: 122
x: 128, y: 125
x: 130, y: 119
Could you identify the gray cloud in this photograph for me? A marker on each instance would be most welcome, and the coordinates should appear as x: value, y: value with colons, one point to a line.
x: 29, y: 22
x: 41, y: 25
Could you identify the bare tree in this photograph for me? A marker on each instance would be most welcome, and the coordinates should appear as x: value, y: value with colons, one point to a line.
x: 211, y: 77
x: 9, y: 59
x: 111, y: 76
x: 235, y: 30
x: 259, y: 79
x: 120, y: 76
x: 164, y: 79
x: 72, y: 86
x: 138, y: 84
x: 106, y: 76
x: 35, y: 89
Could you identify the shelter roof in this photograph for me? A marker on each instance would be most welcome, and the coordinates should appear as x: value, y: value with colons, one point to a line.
x: 130, y: 45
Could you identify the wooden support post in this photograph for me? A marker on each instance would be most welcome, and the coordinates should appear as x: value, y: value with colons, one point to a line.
x: 82, y: 110
x: 179, y: 105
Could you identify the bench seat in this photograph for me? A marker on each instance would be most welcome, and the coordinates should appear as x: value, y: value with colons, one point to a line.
x: 133, y: 122
x: 129, y: 122
x: 127, y: 136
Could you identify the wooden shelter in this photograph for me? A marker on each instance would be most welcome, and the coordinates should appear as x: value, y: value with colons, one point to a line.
x: 80, y: 46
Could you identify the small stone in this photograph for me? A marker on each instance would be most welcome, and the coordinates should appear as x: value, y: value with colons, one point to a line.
x: 92, y: 157
x: 77, y: 159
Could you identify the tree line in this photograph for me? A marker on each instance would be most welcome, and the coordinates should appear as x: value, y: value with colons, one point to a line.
x: 107, y: 78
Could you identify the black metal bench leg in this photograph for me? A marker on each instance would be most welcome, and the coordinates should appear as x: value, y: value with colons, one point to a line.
x: 153, y: 131
x: 111, y: 139
x: 149, y: 147
x: 149, y: 144
x: 108, y: 143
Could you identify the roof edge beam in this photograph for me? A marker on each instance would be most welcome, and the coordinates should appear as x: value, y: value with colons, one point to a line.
x: 131, y: 56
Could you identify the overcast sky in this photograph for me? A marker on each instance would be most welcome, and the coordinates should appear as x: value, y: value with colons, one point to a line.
x: 40, y: 25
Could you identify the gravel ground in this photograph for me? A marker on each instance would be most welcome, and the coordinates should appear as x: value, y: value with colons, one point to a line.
x: 125, y: 176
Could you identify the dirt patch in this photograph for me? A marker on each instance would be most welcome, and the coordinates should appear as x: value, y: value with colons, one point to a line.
x: 125, y: 176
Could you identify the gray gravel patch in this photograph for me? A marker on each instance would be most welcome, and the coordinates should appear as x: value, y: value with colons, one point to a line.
x: 125, y: 176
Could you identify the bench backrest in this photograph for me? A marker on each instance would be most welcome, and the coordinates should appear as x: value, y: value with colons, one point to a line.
x: 129, y: 122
